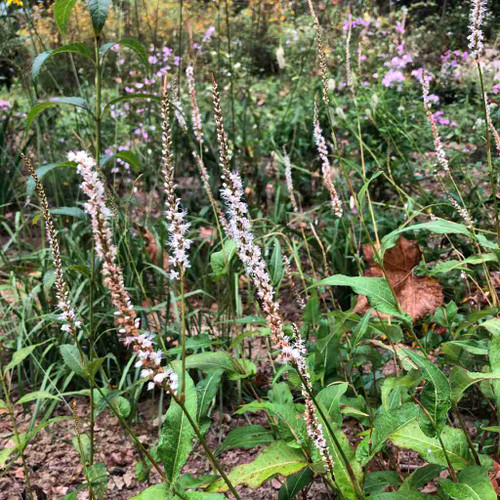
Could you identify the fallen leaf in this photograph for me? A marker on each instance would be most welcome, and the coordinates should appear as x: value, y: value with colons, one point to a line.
x: 417, y: 295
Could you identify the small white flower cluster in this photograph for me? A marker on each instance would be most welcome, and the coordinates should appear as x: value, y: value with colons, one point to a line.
x: 179, y: 114
x: 476, y: 36
x: 177, y: 226
x: 462, y: 211
x: 442, y: 160
x: 296, y: 354
x: 325, y: 164
x: 195, y: 110
x: 68, y: 317
x: 289, y: 180
x: 125, y: 316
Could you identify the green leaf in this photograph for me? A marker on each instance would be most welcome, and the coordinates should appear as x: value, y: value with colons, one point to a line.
x: 57, y: 101
x: 276, y: 264
x: 461, y: 265
x: 208, y: 361
x: 329, y: 397
x: 19, y: 356
x: 41, y: 172
x: 408, y: 381
x: 131, y: 43
x: 176, y: 440
x: 461, y: 379
x: 62, y: 11
x: 71, y: 357
x: 398, y: 495
x: 277, y: 458
x: 411, y: 437
x: 385, y: 424
x: 98, y: 476
x: 5, y: 454
x: 128, y: 97
x: 123, y: 406
x: 129, y: 157
x: 247, y: 436
x: 82, y: 445
x: 69, y: 211
x: 74, y: 48
x: 377, y: 290
x: 439, y: 226
x: 3, y: 405
x: 421, y: 477
x: 342, y: 477
x: 376, y: 482
x: 99, y: 10
x: 362, y: 191
x: 294, y: 484
x: 161, y: 492
x: 206, y: 391
x: 219, y: 261
x: 435, y: 397
x: 473, y: 484
x: 35, y: 396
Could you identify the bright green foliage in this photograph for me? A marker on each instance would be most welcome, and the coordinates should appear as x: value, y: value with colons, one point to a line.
x: 473, y: 484
x: 277, y: 458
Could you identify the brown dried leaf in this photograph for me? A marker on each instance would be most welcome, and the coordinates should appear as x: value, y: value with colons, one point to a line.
x: 417, y: 295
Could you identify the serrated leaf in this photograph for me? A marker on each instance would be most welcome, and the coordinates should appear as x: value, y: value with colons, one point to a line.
x: 176, y: 440
x: 247, y: 436
x: 435, y: 397
x: 473, y: 484
x: 62, y: 11
x: 57, y: 101
x: 278, y: 458
x: 99, y: 10
x: 35, y: 396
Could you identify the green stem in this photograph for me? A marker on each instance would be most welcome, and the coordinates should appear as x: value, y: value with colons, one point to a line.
x: 10, y: 409
x: 215, y: 463
x: 357, y: 488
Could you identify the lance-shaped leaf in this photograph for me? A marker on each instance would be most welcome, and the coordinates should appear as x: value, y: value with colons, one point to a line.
x: 376, y: 289
x: 131, y: 43
x: 247, y: 436
x: 74, y: 48
x: 62, y: 11
x: 473, y: 484
x: 454, y: 440
x: 176, y: 440
x: 56, y: 101
x: 294, y: 484
x: 340, y: 470
x: 42, y: 171
x: 129, y: 97
x: 385, y: 424
x: 439, y: 226
x: 435, y: 397
x: 461, y: 380
x: 99, y: 10
x: 421, y: 477
x: 206, y: 391
x: 278, y: 458
x: 493, y: 326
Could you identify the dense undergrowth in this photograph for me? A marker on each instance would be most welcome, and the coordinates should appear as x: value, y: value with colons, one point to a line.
x: 255, y: 208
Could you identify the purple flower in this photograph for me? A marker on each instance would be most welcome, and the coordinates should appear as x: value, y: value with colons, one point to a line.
x: 393, y: 76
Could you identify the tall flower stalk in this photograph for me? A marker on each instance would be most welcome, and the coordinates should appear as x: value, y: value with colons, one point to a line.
x: 335, y: 202
x: 250, y: 254
x: 126, y: 318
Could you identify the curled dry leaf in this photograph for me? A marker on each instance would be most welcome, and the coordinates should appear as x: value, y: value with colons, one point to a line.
x: 417, y: 295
